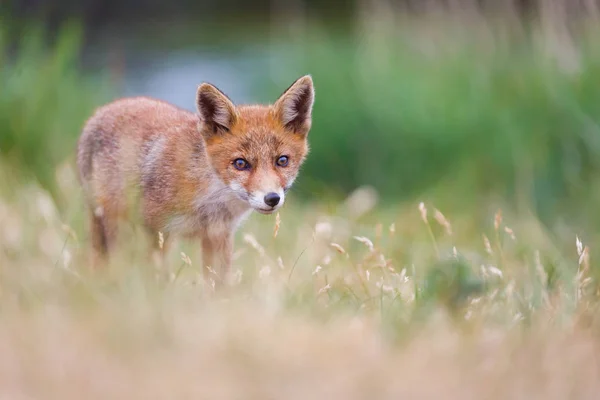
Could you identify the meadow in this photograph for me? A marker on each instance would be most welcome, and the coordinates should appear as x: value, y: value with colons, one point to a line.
x: 440, y: 241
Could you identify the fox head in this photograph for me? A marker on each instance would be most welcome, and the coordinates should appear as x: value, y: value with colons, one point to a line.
x: 257, y: 150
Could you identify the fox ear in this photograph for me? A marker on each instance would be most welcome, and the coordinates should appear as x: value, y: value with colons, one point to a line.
x: 294, y: 106
x: 215, y: 108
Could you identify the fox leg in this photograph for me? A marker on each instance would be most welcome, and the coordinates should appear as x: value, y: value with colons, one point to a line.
x: 216, y: 257
x: 103, y: 234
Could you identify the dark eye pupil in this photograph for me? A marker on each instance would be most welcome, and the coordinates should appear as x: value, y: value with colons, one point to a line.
x: 282, y: 160
x: 241, y: 164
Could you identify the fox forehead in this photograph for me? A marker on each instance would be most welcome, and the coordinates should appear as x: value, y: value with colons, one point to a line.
x: 255, y: 120
x: 258, y: 133
x: 256, y: 116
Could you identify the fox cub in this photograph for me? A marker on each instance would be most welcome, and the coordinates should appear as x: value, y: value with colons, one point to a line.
x: 197, y: 175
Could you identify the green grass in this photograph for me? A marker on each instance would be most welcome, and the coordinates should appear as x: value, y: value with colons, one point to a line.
x: 44, y: 100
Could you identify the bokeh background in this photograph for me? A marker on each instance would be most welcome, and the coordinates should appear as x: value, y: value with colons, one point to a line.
x: 466, y: 103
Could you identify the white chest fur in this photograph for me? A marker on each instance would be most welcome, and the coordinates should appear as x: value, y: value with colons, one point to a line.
x: 217, y: 212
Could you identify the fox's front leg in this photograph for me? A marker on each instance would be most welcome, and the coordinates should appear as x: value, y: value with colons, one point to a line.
x: 216, y: 257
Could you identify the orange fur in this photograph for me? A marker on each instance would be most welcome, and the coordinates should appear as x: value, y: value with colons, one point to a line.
x: 179, y: 171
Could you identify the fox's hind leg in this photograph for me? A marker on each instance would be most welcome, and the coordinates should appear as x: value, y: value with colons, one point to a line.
x: 99, y: 239
x: 103, y: 234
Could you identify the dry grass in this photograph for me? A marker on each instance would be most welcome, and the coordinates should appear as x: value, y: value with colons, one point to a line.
x: 351, y: 303
x: 218, y: 351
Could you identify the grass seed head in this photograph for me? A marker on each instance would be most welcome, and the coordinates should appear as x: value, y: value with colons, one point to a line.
x: 366, y: 242
x: 494, y: 271
x: 277, y: 224
x: 338, y: 248
x: 212, y: 271
x: 510, y: 233
x: 584, y: 256
x: 498, y: 219
x: 161, y: 240
x: 186, y: 259
x: 324, y: 289
x: 441, y: 219
x: 423, y: 211
x: 487, y: 245
x: 66, y: 228
x: 251, y: 240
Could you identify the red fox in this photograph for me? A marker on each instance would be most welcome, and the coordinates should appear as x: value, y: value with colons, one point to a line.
x: 197, y: 175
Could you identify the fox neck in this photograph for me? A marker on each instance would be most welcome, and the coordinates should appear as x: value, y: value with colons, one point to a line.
x: 219, y: 196
x: 207, y: 204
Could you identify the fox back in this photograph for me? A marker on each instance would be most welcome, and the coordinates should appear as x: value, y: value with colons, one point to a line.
x: 193, y: 174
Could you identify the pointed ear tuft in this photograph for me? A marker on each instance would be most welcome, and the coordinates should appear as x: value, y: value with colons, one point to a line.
x: 216, y: 111
x: 294, y: 106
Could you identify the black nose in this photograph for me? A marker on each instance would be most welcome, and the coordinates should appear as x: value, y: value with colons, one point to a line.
x: 272, y: 199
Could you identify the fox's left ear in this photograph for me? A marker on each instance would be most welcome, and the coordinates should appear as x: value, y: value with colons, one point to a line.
x: 294, y: 106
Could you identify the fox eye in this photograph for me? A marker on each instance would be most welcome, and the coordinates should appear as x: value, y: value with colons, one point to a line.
x: 283, y: 161
x: 240, y: 164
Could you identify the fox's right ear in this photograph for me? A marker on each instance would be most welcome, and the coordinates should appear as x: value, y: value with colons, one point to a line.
x: 216, y: 111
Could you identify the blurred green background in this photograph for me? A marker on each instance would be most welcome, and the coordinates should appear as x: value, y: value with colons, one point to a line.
x: 462, y: 103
